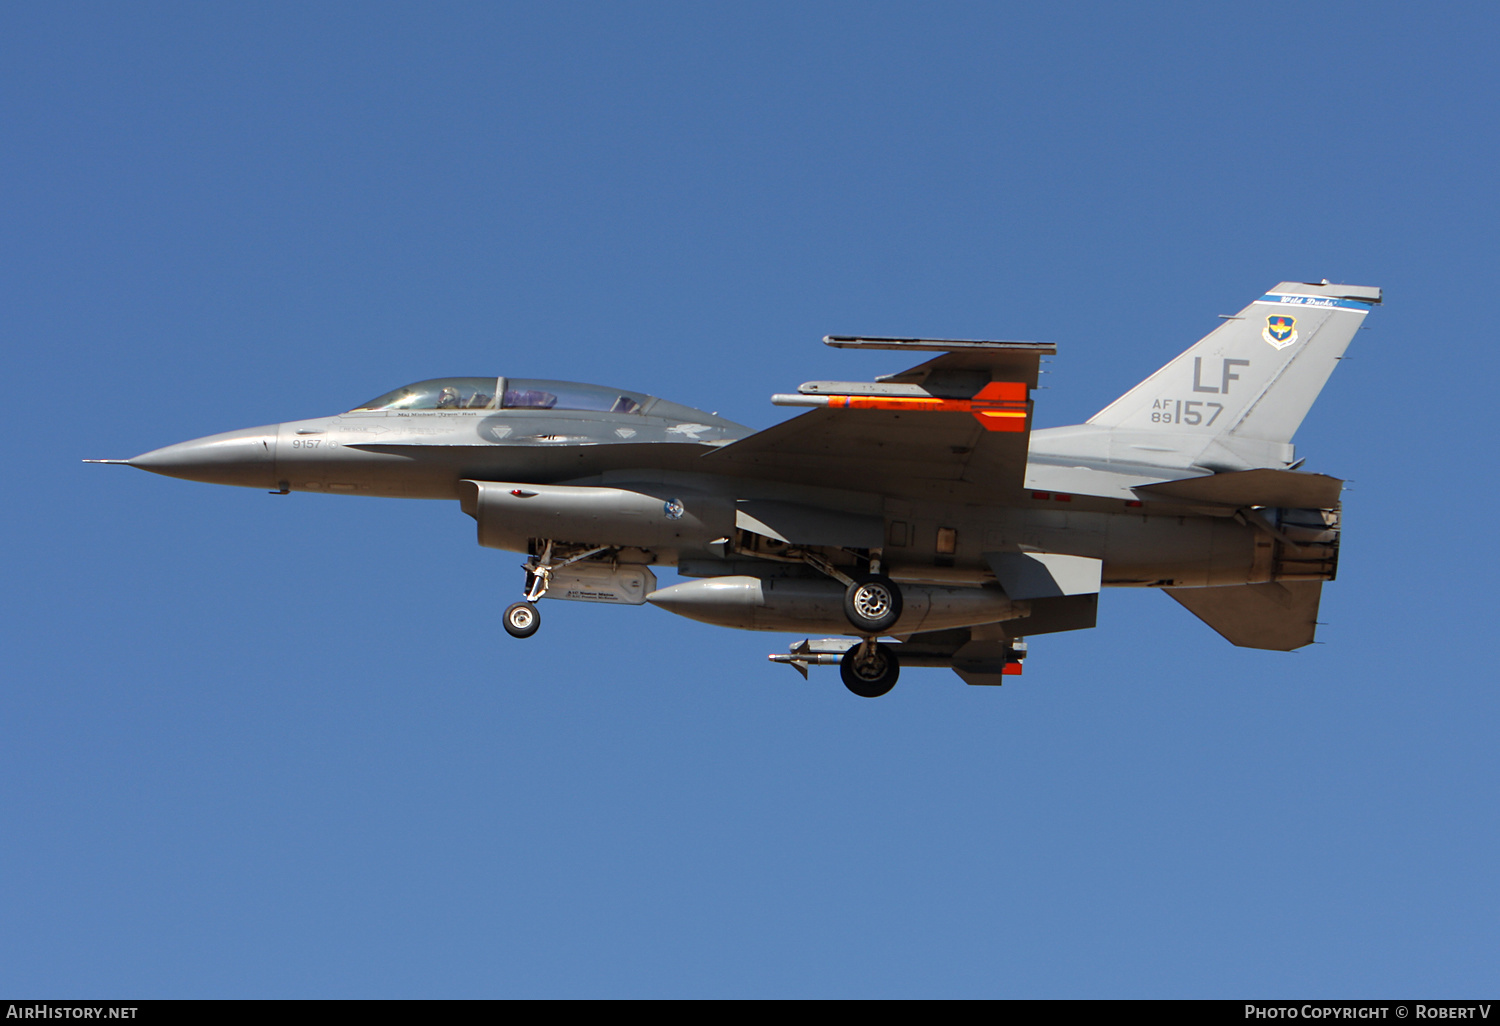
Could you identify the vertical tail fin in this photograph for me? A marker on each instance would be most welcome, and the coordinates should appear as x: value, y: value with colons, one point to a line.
x: 1236, y: 398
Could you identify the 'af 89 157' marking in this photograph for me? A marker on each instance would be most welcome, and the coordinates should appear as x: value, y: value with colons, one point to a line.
x: 1185, y: 411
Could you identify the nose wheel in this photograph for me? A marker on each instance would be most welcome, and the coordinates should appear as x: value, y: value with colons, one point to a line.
x: 522, y: 620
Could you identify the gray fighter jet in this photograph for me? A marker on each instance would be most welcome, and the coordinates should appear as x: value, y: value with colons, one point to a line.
x: 920, y: 507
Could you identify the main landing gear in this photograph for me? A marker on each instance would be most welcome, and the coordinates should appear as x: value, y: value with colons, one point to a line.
x: 869, y: 669
x: 872, y: 603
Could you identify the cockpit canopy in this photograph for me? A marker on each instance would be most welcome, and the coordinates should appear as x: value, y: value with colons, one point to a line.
x: 508, y: 394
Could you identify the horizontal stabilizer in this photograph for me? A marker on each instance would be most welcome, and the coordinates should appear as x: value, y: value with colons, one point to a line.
x: 1037, y: 575
x: 1289, y: 488
x: 1277, y: 616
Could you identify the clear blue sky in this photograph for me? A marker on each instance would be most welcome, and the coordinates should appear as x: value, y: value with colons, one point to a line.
x: 255, y: 746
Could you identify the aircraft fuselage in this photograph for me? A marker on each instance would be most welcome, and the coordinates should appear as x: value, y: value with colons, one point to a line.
x: 922, y: 506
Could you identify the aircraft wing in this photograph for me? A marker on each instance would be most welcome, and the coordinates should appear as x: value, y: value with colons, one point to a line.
x: 957, y: 425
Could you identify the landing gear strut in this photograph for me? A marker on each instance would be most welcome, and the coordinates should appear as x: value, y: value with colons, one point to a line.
x: 523, y: 618
x: 869, y: 669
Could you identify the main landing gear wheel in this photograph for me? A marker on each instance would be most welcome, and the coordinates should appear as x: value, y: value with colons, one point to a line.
x: 873, y: 604
x: 522, y: 620
x: 869, y: 670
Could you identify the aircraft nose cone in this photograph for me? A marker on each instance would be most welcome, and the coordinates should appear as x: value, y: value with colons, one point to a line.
x: 246, y: 457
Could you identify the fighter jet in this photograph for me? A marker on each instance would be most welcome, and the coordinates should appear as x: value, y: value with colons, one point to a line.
x: 917, y: 519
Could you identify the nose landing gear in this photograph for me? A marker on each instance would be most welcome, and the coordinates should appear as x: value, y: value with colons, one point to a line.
x: 522, y: 619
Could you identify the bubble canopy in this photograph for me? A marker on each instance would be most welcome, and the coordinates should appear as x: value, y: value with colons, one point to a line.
x: 507, y: 394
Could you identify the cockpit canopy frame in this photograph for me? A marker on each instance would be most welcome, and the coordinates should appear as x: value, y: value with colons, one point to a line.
x: 501, y: 393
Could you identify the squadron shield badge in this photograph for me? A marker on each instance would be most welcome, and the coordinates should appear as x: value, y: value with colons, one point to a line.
x: 1280, y: 331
